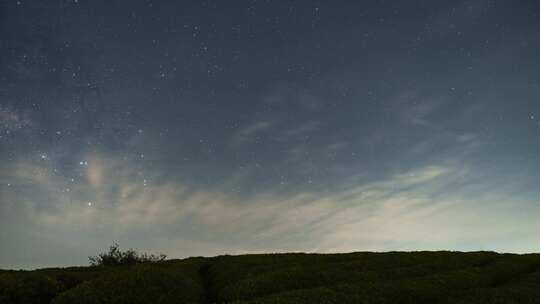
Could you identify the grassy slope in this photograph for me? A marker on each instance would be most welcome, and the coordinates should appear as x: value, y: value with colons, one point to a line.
x: 394, y: 277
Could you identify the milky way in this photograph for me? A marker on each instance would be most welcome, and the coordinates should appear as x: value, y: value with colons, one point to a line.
x: 211, y: 127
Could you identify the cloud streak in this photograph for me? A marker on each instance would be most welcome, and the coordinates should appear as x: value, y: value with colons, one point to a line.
x: 410, y: 210
x: 249, y: 132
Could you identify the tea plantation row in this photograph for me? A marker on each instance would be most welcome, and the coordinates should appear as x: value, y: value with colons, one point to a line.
x: 393, y: 277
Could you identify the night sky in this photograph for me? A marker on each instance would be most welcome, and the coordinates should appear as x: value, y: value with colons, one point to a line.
x: 211, y: 127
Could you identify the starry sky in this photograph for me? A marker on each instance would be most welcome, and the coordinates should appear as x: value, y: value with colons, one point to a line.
x: 211, y: 127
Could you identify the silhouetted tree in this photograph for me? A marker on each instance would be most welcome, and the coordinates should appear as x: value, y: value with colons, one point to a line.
x: 117, y: 257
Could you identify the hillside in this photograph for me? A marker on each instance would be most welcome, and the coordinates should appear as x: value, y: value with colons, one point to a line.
x: 394, y: 277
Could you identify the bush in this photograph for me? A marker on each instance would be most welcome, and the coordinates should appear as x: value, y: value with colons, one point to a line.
x: 27, y: 288
x: 117, y: 257
x: 139, y: 284
x: 382, y: 278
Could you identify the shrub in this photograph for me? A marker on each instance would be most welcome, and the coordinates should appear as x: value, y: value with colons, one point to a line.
x: 138, y: 284
x: 27, y: 288
x: 383, y: 278
x: 117, y: 257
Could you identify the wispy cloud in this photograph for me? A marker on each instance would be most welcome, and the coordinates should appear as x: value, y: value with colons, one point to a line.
x: 424, y: 208
x: 413, y: 107
x: 248, y: 132
x: 302, y: 129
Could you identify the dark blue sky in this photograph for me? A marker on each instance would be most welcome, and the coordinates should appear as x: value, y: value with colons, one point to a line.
x: 208, y: 127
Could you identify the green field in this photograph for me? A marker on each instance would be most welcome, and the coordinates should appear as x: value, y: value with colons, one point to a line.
x: 393, y: 277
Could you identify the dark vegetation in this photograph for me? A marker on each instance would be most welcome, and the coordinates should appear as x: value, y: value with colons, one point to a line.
x: 394, y: 277
x: 116, y: 257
